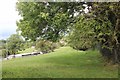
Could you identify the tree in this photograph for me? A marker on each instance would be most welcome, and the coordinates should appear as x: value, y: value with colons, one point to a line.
x: 46, y: 20
x: 3, y: 48
x: 14, y: 43
x: 108, y: 33
x: 105, y: 19
x: 82, y: 35
x: 2, y: 44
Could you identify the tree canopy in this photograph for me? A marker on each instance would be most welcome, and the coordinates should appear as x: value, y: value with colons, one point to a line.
x: 46, y: 20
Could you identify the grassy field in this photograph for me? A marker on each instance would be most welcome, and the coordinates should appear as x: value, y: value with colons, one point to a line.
x: 63, y: 63
x: 28, y: 50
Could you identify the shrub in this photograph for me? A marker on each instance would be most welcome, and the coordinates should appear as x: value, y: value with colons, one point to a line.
x: 46, y: 46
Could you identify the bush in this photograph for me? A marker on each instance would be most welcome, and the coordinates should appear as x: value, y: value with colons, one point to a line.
x: 45, y: 46
x: 81, y: 44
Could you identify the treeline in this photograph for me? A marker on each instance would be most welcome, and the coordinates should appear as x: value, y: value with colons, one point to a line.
x: 12, y: 45
x: 86, y: 25
x: 16, y: 43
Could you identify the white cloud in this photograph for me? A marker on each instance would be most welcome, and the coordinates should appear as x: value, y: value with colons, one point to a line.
x: 8, y: 17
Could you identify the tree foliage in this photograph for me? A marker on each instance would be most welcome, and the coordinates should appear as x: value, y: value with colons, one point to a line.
x: 105, y: 20
x: 82, y: 35
x: 108, y: 16
x: 14, y: 43
x: 46, y: 20
x: 2, y: 44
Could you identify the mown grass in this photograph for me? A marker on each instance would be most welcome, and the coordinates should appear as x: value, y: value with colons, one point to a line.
x: 63, y: 63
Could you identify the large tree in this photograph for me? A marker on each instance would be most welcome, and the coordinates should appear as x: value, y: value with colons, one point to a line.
x: 46, y: 20
x: 108, y: 32
x: 105, y: 20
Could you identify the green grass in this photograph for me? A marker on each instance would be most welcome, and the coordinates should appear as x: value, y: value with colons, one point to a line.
x: 28, y: 50
x: 63, y: 63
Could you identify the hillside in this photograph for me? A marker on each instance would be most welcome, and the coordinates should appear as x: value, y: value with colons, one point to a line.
x: 63, y: 63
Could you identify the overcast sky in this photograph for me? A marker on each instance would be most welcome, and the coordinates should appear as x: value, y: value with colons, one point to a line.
x: 8, y: 17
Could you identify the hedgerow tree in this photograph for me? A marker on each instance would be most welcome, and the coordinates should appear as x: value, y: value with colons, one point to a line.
x: 108, y: 16
x: 105, y: 20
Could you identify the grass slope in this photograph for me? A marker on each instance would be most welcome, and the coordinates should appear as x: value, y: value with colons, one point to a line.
x: 63, y: 63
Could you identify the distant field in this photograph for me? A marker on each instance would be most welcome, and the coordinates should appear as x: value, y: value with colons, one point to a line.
x: 63, y: 63
x: 28, y: 50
